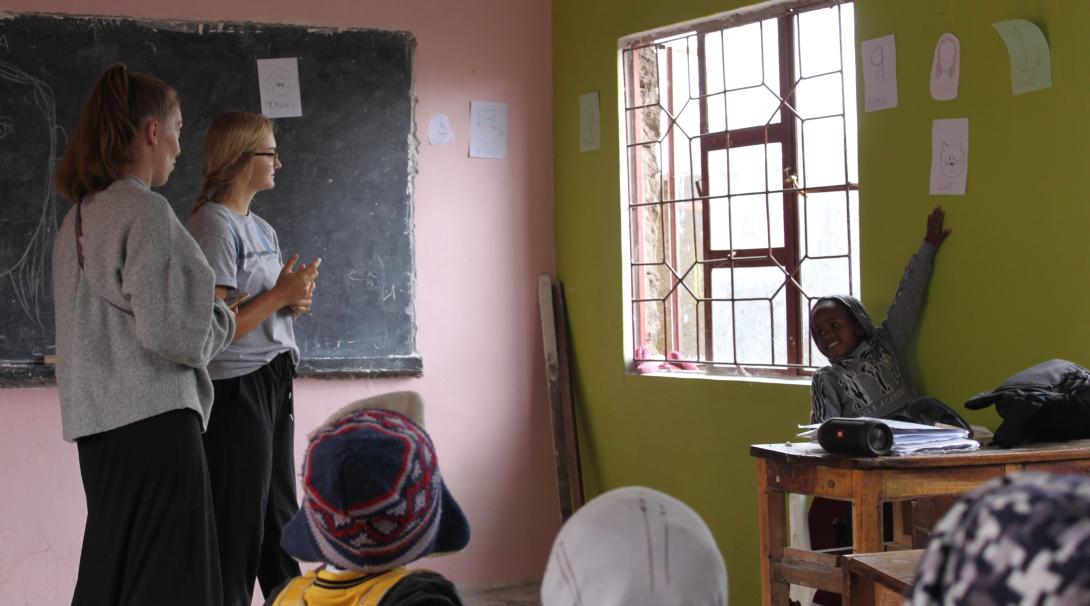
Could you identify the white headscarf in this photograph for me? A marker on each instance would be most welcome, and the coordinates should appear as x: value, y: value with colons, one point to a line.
x: 635, y: 546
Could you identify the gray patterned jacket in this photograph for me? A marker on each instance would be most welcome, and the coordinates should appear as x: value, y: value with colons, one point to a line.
x: 874, y: 380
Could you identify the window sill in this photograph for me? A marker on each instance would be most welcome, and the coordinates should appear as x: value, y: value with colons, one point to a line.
x: 748, y: 378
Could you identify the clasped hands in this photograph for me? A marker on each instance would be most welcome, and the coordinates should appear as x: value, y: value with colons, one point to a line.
x: 298, y: 284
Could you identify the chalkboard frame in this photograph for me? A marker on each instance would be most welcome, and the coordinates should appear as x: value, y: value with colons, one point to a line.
x: 369, y: 284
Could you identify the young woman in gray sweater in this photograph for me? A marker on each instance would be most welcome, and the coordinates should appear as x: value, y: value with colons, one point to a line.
x: 136, y: 324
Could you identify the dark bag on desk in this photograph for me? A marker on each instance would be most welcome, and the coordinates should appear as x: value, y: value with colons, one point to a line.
x: 929, y: 411
x: 1049, y: 402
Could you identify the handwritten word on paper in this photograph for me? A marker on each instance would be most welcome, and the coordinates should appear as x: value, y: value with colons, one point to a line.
x: 1031, y: 64
x: 440, y: 132
x: 949, y: 156
x: 945, y: 68
x: 487, y: 130
x: 278, y: 80
x: 879, y: 62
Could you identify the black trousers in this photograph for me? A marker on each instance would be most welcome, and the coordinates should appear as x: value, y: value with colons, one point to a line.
x: 249, y: 445
x: 150, y: 536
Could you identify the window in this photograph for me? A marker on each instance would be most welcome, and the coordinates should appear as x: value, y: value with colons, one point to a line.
x: 741, y: 202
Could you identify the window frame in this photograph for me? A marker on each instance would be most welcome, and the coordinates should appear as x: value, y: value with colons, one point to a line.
x: 792, y: 146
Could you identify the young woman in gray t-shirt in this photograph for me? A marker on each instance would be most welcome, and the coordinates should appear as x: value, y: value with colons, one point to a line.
x: 250, y: 432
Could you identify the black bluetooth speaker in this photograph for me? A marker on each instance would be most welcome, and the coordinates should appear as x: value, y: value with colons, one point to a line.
x: 855, y: 436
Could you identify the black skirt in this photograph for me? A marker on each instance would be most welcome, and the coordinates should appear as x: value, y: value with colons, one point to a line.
x: 150, y: 536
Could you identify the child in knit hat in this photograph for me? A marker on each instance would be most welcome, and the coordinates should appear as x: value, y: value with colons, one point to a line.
x: 635, y: 546
x: 373, y: 502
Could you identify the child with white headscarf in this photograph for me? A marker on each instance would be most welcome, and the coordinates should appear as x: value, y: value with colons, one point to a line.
x: 635, y: 546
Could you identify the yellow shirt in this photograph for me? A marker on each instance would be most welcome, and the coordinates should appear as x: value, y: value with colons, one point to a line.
x: 349, y: 588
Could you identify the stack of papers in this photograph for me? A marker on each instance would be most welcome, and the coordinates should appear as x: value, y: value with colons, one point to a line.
x: 914, y: 438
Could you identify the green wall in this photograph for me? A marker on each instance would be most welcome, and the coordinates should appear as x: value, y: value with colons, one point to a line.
x: 1009, y: 286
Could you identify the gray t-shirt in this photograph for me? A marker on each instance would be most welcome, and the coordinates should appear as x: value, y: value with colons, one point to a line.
x: 245, y: 255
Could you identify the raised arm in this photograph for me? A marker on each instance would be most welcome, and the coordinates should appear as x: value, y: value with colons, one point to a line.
x: 936, y: 233
x: 904, y: 311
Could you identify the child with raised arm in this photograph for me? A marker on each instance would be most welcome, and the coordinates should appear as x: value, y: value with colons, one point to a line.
x: 868, y: 373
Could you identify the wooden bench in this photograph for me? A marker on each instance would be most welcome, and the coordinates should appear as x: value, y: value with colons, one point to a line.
x: 879, y: 579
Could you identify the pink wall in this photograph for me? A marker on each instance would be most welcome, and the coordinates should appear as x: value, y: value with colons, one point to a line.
x: 484, y: 231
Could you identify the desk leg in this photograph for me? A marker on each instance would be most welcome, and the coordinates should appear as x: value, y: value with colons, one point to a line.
x: 866, y: 512
x: 902, y: 524
x: 772, y: 518
x: 858, y: 591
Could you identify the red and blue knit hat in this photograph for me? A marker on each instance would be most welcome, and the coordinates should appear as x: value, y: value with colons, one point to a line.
x: 373, y: 496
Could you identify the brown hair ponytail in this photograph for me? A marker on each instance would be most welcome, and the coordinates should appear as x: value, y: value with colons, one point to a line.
x: 117, y: 106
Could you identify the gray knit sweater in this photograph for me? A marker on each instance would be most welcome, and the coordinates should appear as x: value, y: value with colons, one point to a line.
x: 139, y: 323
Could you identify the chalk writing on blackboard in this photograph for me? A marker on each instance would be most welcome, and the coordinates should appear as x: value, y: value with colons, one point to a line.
x: 23, y: 258
x: 346, y: 162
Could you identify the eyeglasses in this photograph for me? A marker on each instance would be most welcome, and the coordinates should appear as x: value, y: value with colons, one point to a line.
x: 275, y: 155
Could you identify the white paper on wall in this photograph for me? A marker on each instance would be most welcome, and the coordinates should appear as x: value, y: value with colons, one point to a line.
x: 879, y: 62
x: 946, y: 68
x: 949, y: 156
x: 278, y: 80
x: 487, y: 130
x: 590, y: 122
x: 440, y: 132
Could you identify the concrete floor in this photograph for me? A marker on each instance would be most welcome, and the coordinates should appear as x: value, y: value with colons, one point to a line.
x: 511, y: 595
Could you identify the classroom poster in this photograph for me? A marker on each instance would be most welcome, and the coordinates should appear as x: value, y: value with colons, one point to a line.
x: 945, y: 68
x: 440, y: 132
x: 1031, y: 64
x: 949, y: 156
x: 879, y: 61
x: 278, y: 80
x: 487, y: 130
x: 590, y: 122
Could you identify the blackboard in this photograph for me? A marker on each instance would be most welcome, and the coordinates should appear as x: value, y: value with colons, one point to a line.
x: 344, y: 193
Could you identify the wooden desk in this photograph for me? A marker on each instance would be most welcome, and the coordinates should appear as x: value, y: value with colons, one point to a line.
x: 867, y: 482
x: 879, y: 579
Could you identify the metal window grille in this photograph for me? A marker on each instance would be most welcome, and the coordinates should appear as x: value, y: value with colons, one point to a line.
x: 742, y: 194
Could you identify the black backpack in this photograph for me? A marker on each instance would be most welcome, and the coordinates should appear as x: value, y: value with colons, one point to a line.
x: 1049, y: 402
